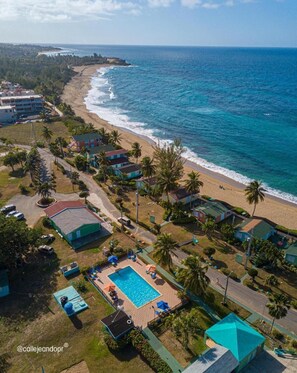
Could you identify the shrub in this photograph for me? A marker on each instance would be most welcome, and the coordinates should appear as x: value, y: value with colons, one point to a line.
x: 294, y: 343
x: 294, y: 304
x: 286, y: 230
x: 277, y: 334
x: 115, y: 345
x: 253, y: 273
x: 205, y: 196
x: 46, y: 222
x: 81, y: 286
x: 209, y: 251
x: 23, y: 189
x: 184, y: 220
x: 250, y: 284
x: 241, y: 211
x: 149, y: 354
x: 40, y: 144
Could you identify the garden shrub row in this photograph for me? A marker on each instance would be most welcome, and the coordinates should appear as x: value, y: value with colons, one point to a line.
x: 184, y: 220
x: 149, y: 354
x: 241, y: 211
x: 116, y: 345
x: 227, y: 272
x: 280, y: 228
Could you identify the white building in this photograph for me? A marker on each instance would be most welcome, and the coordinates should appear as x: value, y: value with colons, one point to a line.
x: 24, y: 105
x: 8, y: 114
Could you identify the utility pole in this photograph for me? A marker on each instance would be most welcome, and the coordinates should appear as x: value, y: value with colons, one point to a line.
x: 226, y: 288
x: 248, y: 252
x: 137, y: 203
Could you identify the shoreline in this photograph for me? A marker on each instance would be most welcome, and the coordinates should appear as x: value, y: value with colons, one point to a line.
x: 278, y: 210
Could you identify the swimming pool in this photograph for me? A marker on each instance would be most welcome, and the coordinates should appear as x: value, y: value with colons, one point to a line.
x: 136, y: 288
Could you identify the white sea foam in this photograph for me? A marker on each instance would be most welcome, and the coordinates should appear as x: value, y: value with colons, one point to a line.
x: 101, y: 92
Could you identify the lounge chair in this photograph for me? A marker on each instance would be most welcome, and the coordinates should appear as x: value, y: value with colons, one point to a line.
x: 154, y: 275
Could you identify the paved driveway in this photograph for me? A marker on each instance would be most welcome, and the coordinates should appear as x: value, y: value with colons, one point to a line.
x: 268, y: 362
x: 27, y: 205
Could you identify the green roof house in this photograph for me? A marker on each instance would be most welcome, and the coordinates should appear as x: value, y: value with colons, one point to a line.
x: 291, y: 254
x: 86, y: 140
x: 75, y: 222
x: 237, y: 336
x: 256, y: 228
x: 213, y: 209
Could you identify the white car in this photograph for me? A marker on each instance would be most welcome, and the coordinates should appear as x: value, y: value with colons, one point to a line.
x: 12, y: 213
x: 19, y: 216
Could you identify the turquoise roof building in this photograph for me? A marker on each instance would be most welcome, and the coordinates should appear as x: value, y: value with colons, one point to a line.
x: 237, y: 336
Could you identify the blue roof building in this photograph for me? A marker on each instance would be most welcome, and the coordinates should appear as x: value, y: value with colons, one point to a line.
x: 237, y: 336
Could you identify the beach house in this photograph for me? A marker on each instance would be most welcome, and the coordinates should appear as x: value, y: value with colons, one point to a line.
x: 75, y: 222
x: 256, y: 228
x: 291, y: 254
x: 181, y: 195
x: 86, y: 140
x: 117, y: 158
x: 212, y: 209
x: 232, y: 333
x: 129, y: 171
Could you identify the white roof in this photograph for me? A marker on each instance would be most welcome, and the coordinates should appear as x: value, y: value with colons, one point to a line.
x: 216, y: 360
x: 7, y: 107
x: 20, y: 97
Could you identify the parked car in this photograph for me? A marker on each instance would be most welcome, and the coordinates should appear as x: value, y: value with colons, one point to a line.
x: 48, y: 238
x: 18, y: 215
x: 8, y: 208
x: 125, y: 221
x: 12, y: 213
x: 45, y: 249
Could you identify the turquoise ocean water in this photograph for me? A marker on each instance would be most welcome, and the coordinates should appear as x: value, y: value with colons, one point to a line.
x: 234, y: 108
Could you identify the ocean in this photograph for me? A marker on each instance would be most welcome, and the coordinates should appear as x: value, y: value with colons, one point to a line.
x: 234, y: 108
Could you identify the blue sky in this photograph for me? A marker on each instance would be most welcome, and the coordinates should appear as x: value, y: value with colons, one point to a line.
x: 151, y: 22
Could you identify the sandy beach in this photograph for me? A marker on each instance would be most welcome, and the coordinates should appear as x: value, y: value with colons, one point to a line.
x: 274, y: 209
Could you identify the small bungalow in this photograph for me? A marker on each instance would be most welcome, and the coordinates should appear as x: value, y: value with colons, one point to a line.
x: 291, y: 254
x: 212, y: 209
x: 129, y: 171
x: 118, y: 324
x: 86, y: 140
x: 215, y: 360
x: 181, y: 195
x: 4, y: 284
x: 75, y: 222
x: 117, y: 153
x: 144, y: 182
x: 234, y: 334
x: 256, y: 228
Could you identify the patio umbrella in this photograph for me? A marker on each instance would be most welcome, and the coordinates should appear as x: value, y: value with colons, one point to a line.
x: 151, y: 268
x: 109, y: 287
x: 163, y: 305
x: 112, y: 259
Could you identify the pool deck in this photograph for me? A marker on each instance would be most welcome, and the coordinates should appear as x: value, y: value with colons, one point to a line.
x: 142, y: 315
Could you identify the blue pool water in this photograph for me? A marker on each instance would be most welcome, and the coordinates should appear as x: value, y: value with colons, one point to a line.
x: 134, y: 286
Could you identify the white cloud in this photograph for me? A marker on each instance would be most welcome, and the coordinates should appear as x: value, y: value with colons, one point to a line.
x: 64, y: 10
x: 160, y: 3
x: 191, y: 3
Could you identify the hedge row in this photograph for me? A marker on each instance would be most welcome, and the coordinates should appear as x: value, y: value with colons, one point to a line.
x: 149, y: 354
x: 280, y: 228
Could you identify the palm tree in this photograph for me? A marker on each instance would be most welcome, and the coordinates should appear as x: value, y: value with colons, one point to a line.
x: 115, y: 137
x: 167, y: 180
x: 104, y: 135
x: 193, y: 276
x: 278, y: 307
x: 44, y: 189
x: 74, y: 178
x: 84, y: 194
x: 147, y: 167
x: 47, y: 134
x: 103, y: 164
x: 164, y: 247
x: 193, y: 184
x: 33, y: 163
x: 185, y: 325
x: 136, y: 150
x: 208, y: 227
x: 254, y: 193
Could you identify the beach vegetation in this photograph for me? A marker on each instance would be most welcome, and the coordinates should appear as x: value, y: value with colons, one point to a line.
x: 193, y: 275
x: 115, y: 138
x: 103, y: 165
x: 208, y: 227
x: 254, y: 193
x: 272, y: 280
x: 47, y: 134
x: 81, y: 162
x: 253, y: 273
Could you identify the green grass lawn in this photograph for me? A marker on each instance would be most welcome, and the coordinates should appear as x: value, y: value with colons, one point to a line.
x: 25, y: 133
x: 9, y: 184
x: 31, y: 316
